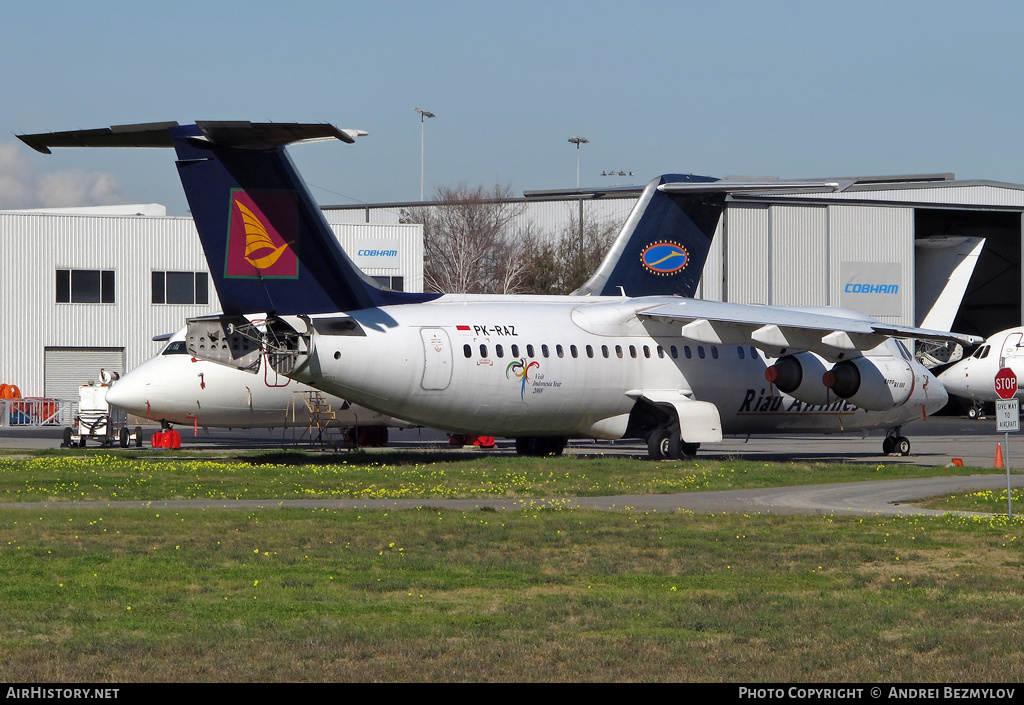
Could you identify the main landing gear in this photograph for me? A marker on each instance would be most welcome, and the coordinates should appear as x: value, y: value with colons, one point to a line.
x: 666, y: 444
x: 895, y: 443
x: 538, y: 446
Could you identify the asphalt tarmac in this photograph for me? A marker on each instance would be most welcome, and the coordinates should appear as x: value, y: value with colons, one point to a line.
x: 936, y: 441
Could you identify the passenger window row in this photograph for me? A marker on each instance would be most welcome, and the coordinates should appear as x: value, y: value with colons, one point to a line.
x: 606, y: 351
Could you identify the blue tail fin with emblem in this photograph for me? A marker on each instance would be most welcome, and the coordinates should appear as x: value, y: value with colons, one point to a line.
x: 662, y: 246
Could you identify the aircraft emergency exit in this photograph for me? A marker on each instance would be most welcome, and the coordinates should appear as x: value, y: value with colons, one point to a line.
x: 175, y: 388
x: 973, y: 378
x: 675, y: 371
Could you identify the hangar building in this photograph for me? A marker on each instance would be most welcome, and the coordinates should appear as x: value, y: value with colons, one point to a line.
x: 88, y: 288
x: 885, y: 246
x: 84, y: 289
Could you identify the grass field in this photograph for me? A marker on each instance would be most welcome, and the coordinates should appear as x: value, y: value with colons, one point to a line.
x: 392, y: 475
x: 536, y: 595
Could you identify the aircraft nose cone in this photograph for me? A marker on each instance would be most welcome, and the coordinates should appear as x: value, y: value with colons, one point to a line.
x: 939, y: 393
x: 954, y: 380
x: 128, y: 394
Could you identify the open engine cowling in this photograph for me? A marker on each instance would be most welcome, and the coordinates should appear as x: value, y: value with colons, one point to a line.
x: 873, y: 384
x: 800, y: 377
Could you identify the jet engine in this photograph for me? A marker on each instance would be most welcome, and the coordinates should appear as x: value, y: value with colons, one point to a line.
x: 873, y: 384
x: 800, y: 377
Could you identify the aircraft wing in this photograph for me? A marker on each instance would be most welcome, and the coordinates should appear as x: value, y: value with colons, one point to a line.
x: 781, y: 331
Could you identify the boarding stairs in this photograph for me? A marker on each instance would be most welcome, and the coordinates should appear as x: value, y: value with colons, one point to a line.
x: 324, y: 429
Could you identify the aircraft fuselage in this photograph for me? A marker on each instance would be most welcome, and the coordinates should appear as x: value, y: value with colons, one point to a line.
x: 570, y: 366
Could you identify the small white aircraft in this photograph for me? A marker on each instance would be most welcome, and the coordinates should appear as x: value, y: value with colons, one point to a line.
x: 675, y: 371
x: 174, y: 387
x: 973, y: 378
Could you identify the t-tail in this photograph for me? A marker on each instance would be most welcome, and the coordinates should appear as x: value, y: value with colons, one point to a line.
x: 664, y: 243
x: 267, y: 243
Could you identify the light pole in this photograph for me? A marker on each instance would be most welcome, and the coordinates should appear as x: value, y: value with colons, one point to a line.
x: 578, y: 141
x: 616, y: 174
x: 423, y: 114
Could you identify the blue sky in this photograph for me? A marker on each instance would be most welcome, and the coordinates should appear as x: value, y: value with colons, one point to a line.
x: 792, y: 89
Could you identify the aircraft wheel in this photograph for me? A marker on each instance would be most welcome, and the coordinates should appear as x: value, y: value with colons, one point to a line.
x: 122, y: 437
x: 658, y: 444
x: 902, y: 445
x: 554, y: 445
x: 138, y: 436
x: 888, y: 444
x: 529, y: 446
x: 81, y: 442
x: 67, y: 438
x: 972, y: 412
x: 688, y: 451
x: 540, y: 446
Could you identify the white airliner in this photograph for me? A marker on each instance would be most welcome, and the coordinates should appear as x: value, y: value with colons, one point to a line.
x: 175, y: 388
x: 672, y: 370
x: 974, y: 377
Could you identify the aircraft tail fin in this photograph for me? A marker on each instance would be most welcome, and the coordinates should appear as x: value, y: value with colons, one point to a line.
x: 267, y: 243
x: 664, y: 243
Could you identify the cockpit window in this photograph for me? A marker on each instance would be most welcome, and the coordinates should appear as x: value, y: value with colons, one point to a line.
x: 903, y: 351
x: 177, y: 347
x: 982, y: 352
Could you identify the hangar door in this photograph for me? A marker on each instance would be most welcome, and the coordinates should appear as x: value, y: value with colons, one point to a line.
x: 993, y: 298
x: 67, y: 369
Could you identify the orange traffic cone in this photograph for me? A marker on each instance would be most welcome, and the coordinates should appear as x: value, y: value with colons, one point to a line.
x: 999, y: 456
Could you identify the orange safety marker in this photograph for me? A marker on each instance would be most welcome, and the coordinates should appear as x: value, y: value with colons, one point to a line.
x: 999, y: 456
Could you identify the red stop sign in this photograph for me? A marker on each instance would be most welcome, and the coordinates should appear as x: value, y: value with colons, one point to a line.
x: 1006, y: 383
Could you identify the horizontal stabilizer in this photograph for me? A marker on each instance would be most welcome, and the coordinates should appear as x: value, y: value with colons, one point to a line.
x: 266, y: 241
x: 238, y: 134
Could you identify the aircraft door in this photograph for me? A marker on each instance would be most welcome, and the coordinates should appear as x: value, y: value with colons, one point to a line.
x: 1011, y: 347
x: 437, y: 358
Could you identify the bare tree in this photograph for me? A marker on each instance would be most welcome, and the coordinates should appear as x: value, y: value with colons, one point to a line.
x: 470, y: 241
x: 563, y: 263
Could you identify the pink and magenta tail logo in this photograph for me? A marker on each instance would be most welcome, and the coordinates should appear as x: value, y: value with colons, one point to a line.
x: 261, y: 231
x: 521, y: 369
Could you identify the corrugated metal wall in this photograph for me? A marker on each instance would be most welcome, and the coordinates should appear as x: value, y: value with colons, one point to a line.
x: 795, y: 255
x: 799, y: 243
x: 874, y: 234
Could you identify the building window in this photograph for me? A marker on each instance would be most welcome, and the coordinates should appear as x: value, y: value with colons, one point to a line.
x: 393, y: 283
x: 85, y: 286
x: 181, y: 288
